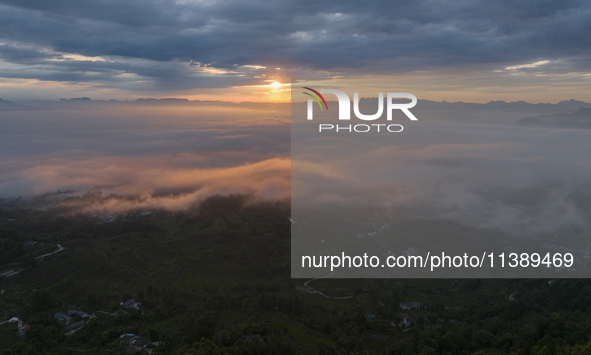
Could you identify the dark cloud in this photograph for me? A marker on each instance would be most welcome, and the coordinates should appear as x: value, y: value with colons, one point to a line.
x: 12, y: 54
x: 157, y: 40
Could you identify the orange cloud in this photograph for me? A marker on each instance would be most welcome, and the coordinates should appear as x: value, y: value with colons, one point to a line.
x: 159, y: 185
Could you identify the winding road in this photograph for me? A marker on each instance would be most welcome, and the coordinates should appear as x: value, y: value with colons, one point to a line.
x: 60, y: 248
x: 316, y: 291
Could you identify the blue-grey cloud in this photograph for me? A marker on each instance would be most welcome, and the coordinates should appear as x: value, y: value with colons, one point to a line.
x: 163, y: 41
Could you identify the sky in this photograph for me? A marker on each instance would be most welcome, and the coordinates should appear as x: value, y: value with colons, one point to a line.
x: 470, y: 51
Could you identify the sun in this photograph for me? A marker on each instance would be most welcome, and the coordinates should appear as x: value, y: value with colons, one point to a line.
x: 275, y: 85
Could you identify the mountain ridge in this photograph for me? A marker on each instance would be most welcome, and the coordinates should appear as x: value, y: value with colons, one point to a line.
x: 580, y: 119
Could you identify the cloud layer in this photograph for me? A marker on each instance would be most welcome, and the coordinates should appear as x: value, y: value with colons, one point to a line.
x: 167, y: 154
x: 182, y: 45
x: 468, y: 163
x: 483, y: 173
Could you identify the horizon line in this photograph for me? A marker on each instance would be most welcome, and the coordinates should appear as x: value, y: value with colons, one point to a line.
x: 83, y: 99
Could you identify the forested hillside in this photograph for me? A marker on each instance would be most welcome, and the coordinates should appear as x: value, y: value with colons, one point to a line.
x: 215, y: 279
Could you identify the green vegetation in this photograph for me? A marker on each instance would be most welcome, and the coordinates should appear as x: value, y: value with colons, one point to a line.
x: 207, y: 278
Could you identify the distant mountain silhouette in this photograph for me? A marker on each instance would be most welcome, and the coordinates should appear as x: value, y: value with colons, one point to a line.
x: 77, y: 99
x: 579, y: 119
x: 565, y: 105
x: 516, y: 107
x: 562, y: 106
x: 10, y: 106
